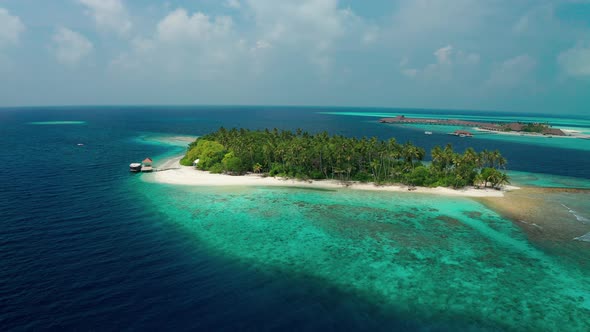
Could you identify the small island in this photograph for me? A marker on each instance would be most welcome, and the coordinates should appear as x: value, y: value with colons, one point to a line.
x: 304, y: 156
x: 522, y: 128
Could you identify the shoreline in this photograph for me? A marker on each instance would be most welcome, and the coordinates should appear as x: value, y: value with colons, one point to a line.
x: 189, y: 176
x: 569, y: 133
x: 545, y: 220
x: 526, y: 207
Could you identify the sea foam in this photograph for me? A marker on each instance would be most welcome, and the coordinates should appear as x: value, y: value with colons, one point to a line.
x: 576, y: 214
x: 585, y: 238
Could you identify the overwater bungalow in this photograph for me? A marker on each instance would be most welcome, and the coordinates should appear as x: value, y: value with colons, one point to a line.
x: 461, y: 133
x: 146, y: 165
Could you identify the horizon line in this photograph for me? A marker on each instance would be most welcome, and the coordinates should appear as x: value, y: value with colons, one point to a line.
x: 274, y: 105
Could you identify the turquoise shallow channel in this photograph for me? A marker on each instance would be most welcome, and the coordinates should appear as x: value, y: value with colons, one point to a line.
x: 50, y: 123
x: 432, y: 258
x: 580, y: 125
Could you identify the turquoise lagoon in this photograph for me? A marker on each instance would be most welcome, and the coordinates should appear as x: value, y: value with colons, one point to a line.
x: 581, y: 125
x: 54, y: 123
x: 429, y: 257
x: 547, y: 180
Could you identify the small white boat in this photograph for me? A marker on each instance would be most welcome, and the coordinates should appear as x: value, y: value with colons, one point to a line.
x: 80, y: 144
x: 135, y: 167
x: 427, y: 133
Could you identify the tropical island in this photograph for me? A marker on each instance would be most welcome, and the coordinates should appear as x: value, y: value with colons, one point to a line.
x: 304, y: 156
x: 522, y: 128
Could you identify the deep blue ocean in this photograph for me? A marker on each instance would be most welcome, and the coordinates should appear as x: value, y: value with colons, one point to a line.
x: 79, y: 250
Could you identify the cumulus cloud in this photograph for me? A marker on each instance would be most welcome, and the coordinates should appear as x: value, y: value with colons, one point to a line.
x: 575, y: 62
x: 513, y: 71
x: 261, y: 45
x: 447, y: 60
x: 186, y: 44
x: 305, y: 32
x: 11, y: 28
x: 443, y: 55
x: 70, y: 47
x: 178, y: 26
x: 234, y: 4
x: 109, y: 15
x: 310, y: 26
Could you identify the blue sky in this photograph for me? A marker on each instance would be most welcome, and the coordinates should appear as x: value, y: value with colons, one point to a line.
x: 506, y: 55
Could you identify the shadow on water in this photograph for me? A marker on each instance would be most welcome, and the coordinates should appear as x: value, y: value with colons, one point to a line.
x: 262, y: 297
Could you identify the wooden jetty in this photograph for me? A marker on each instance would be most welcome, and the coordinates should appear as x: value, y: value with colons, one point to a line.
x: 146, y: 166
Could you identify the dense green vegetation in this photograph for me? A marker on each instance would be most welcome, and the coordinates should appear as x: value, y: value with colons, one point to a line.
x: 535, y: 128
x: 321, y: 156
x: 529, y: 127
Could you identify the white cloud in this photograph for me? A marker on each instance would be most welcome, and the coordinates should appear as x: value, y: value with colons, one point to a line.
x: 303, y: 32
x: 178, y: 26
x: 70, y: 47
x: 540, y: 16
x: 261, y: 45
x: 10, y: 28
x: 234, y: 4
x: 447, y: 60
x: 371, y: 35
x: 309, y: 26
x: 410, y: 72
x: 575, y: 62
x: 513, y: 71
x: 188, y: 44
x: 443, y: 55
x: 109, y: 15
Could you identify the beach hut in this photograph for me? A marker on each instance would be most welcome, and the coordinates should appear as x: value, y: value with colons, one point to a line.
x: 146, y: 165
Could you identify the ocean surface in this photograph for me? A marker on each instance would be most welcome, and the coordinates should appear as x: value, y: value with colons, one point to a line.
x: 85, y: 245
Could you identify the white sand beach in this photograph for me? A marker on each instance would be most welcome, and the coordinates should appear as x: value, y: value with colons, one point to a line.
x: 569, y: 133
x: 189, y: 176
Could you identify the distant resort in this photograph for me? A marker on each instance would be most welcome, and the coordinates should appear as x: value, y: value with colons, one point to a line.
x: 513, y: 127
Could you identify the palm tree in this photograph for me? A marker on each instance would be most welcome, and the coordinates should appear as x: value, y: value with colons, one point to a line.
x: 257, y: 168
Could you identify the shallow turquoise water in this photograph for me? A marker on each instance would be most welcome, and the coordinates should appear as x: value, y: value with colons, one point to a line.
x: 432, y: 257
x: 49, y: 123
x: 163, y: 139
x: 581, y: 125
x: 547, y: 181
x: 554, y: 121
